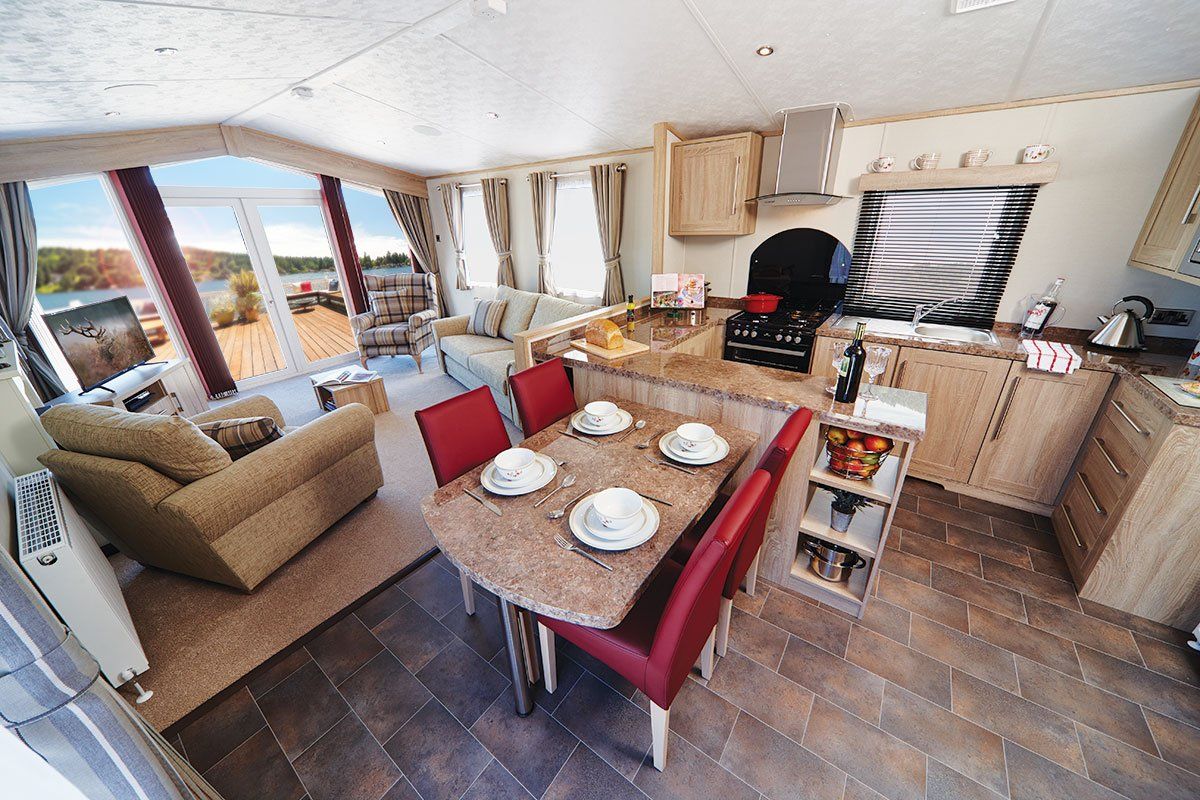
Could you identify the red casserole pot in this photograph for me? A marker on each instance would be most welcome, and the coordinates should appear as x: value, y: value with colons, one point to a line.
x: 761, y: 302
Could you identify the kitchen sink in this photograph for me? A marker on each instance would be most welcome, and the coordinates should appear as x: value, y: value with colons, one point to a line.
x: 923, y: 330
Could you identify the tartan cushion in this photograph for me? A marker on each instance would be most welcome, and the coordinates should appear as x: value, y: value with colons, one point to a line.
x: 241, y: 437
x: 485, y: 319
x: 386, y: 336
x: 393, y: 306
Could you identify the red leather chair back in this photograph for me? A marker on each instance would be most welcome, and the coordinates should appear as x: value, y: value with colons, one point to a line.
x: 691, y: 612
x: 543, y: 395
x: 461, y: 433
x: 775, y: 460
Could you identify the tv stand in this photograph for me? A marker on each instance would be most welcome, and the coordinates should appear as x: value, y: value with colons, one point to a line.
x: 162, y: 387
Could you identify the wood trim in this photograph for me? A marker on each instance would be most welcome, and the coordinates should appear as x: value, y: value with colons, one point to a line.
x: 535, y: 164
x: 959, y: 177
x: 662, y: 157
x: 57, y: 156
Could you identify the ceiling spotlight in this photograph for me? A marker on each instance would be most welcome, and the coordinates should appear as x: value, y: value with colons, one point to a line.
x: 765, y: 50
x: 380, y: 141
x: 166, y: 51
x: 492, y: 115
x: 303, y: 92
x: 112, y: 113
x: 426, y: 130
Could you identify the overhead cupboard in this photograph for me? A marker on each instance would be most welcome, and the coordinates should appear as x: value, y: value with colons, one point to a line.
x: 712, y: 181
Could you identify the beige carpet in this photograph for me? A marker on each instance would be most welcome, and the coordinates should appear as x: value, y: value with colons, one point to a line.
x: 201, y: 637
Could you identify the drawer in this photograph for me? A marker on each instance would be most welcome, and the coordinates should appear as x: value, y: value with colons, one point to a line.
x: 1110, y: 465
x: 1141, y: 423
x: 1075, y: 548
x: 1088, y: 514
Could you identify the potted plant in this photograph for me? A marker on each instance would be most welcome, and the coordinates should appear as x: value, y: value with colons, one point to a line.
x: 246, y: 296
x: 223, y: 315
x: 841, y: 511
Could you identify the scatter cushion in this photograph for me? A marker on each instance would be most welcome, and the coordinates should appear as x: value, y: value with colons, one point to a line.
x: 397, y: 305
x: 485, y: 318
x: 241, y: 437
x: 169, y: 444
x: 555, y: 309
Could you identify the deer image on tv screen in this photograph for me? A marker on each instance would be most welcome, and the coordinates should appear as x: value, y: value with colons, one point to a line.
x: 100, y: 340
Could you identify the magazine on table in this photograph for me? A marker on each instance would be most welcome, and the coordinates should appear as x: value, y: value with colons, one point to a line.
x: 347, y: 376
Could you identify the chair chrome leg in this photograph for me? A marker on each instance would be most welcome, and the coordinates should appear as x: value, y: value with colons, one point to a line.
x: 468, y: 592
x: 549, y: 658
x: 722, y: 642
x: 510, y: 619
x: 660, y: 724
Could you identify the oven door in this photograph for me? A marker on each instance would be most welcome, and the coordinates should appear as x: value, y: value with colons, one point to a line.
x: 796, y: 360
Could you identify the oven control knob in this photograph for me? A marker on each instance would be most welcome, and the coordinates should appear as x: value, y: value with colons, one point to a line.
x: 753, y: 334
x: 787, y: 338
x: 779, y: 337
x: 738, y: 332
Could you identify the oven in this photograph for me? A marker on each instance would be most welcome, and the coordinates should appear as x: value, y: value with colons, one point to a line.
x: 789, y: 358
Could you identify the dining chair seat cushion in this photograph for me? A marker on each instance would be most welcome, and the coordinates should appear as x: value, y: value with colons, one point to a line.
x: 543, y: 395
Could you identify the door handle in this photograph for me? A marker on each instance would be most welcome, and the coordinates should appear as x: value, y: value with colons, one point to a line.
x: 900, y: 374
x: 1104, y: 452
x: 1121, y: 410
x: 737, y: 182
x: 1007, y: 405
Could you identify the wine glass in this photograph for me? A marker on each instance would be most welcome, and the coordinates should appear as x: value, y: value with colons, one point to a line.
x: 876, y: 363
x: 837, y: 365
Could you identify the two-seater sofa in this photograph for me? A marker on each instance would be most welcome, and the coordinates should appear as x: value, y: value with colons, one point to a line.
x: 476, y: 361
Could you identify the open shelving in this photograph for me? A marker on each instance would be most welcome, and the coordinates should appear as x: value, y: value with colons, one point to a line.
x: 864, y: 533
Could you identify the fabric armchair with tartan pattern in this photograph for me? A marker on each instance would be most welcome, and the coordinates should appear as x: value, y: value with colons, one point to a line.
x: 403, y: 308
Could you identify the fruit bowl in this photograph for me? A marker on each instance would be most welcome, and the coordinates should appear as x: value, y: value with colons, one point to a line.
x: 854, y: 454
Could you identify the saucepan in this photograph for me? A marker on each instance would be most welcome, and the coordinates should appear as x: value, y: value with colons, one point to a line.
x: 761, y: 302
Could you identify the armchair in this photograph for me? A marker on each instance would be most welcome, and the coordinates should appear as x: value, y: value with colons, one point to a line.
x: 403, y: 308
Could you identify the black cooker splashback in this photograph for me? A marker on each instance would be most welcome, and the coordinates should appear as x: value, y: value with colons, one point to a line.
x: 806, y: 267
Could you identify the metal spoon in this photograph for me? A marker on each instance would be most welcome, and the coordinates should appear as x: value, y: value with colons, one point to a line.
x: 559, y: 513
x: 648, y: 442
x: 567, y: 483
x: 641, y: 423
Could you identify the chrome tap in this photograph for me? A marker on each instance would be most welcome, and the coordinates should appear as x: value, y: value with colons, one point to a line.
x: 923, y: 311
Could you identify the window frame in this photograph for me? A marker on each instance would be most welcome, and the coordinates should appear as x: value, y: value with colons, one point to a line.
x: 476, y: 190
x: 577, y: 294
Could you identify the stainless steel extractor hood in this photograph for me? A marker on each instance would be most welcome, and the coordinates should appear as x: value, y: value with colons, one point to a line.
x: 808, y: 155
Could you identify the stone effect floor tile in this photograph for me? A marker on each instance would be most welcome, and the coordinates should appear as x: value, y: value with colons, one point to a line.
x: 944, y: 553
x: 440, y: 758
x: 811, y: 624
x: 1079, y: 627
x: 497, y: 783
x: 608, y: 723
x: 978, y: 592
x: 1132, y: 772
x: 922, y: 600
x: 943, y: 783
x: 1031, y: 777
x: 756, y: 638
x: 586, y: 776
x: 880, y: 760
x: 902, y: 665
x: 346, y: 763
x: 302, y: 708
x: 462, y: 681
x: 699, y: 715
x: 384, y: 695
x: 845, y: 684
x: 532, y: 748
x: 777, y: 766
x: 1165, y: 695
x: 219, y: 732
x: 691, y: 776
x: 1025, y: 640
x: 434, y: 589
x: 343, y: 648
x: 973, y: 656
x: 256, y: 769
x: 774, y: 699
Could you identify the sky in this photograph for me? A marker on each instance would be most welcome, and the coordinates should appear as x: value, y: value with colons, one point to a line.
x: 79, y: 213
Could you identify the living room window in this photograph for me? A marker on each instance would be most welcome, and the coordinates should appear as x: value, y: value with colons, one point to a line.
x: 84, y: 257
x: 575, y: 250
x: 382, y: 247
x: 478, y: 252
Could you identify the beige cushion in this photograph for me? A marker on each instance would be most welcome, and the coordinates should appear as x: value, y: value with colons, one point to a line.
x: 492, y: 368
x: 518, y: 312
x: 241, y: 437
x: 485, y: 318
x: 461, y: 348
x: 553, y: 309
x: 172, y: 445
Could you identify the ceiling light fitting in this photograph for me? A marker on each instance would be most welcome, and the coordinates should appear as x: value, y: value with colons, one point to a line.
x: 492, y: 115
x: 166, y: 51
x: 303, y: 92
x: 765, y: 50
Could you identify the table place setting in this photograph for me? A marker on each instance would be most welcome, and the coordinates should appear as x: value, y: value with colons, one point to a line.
x: 518, y: 471
x: 614, y: 519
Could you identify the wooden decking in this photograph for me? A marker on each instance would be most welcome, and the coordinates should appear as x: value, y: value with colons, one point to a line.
x: 251, y: 349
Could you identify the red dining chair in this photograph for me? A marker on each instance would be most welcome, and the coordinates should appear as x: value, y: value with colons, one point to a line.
x: 672, y: 624
x: 460, y: 434
x: 543, y: 395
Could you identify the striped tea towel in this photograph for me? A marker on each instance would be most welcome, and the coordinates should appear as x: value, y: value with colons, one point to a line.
x: 1051, y: 356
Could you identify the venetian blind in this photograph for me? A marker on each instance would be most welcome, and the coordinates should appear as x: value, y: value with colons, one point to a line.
x: 925, y: 246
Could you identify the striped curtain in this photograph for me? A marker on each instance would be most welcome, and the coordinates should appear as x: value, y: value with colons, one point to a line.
x: 53, y: 699
x: 18, y: 280
x: 608, y: 192
x: 543, y: 193
x: 452, y: 202
x: 413, y: 217
x: 495, y: 209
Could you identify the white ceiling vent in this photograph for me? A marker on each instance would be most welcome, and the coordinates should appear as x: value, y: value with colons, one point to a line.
x: 963, y: 6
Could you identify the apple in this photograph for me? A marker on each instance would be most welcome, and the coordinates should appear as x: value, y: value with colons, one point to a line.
x: 852, y: 434
x: 877, y: 444
x: 836, y: 435
x: 856, y: 445
x: 869, y: 459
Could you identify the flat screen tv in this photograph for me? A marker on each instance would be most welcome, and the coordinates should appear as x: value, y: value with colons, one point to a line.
x: 100, y: 340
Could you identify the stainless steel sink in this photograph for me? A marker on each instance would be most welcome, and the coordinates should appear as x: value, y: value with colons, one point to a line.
x: 923, y: 330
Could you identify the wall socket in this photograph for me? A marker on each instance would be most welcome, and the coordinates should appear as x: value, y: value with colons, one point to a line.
x: 1172, y: 316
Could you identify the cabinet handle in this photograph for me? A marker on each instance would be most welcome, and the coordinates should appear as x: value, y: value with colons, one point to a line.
x: 1071, y: 525
x: 1121, y: 410
x: 1092, y: 497
x: 1007, y: 405
x: 1189, y: 216
x: 1104, y: 452
x: 737, y: 182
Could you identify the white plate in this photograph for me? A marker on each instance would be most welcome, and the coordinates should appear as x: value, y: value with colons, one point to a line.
x: 624, y: 420
x: 497, y: 485
x: 637, y: 534
x: 674, y: 444
x: 591, y: 521
x: 722, y: 450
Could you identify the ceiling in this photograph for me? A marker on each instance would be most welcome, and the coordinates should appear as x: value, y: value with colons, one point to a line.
x: 559, y: 77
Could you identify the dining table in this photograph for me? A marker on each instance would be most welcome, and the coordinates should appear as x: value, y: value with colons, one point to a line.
x: 514, y: 555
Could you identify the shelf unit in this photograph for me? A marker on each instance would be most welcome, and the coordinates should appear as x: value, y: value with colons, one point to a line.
x: 868, y: 531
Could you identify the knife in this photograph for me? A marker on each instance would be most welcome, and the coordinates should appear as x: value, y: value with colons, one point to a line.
x: 672, y: 466
x: 488, y: 504
x: 655, y: 499
x: 579, y: 438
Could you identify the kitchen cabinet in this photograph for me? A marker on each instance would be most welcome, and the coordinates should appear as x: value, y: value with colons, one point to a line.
x: 963, y: 391
x: 711, y: 181
x: 1036, y: 431
x: 827, y: 348
x: 1171, y: 226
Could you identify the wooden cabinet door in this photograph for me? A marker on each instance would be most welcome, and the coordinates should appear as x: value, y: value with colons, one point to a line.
x: 1173, y: 216
x: 711, y: 180
x: 1036, y: 431
x: 962, y: 394
x: 827, y: 348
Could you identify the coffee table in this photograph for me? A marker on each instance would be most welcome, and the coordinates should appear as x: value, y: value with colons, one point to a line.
x: 371, y: 393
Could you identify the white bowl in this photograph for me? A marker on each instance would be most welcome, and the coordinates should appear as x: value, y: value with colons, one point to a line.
x: 617, y: 507
x: 694, y: 436
x: 599, y: 413
x: 513, y: 462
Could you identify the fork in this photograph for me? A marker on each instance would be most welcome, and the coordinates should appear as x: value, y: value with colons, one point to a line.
x: 570, y: 548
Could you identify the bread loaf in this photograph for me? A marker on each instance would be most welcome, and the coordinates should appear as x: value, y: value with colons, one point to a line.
x: 604, y: 333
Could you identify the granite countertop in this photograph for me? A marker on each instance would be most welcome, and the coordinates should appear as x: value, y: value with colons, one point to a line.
x: 656, y: 328
x: 515, y: 556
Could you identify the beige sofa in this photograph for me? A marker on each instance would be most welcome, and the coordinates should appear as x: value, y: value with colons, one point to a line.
x: 172, y: 498
x: 476, y: 361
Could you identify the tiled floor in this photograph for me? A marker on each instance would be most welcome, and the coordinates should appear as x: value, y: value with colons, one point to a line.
x: 977, y: 673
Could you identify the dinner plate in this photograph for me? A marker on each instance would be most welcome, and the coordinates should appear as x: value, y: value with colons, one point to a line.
x: 639, y: 534
x: 580, y: 423
x: 721, y: 449
x: 541, y: 472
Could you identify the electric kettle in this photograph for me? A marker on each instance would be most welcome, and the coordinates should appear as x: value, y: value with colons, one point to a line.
x: 1123, y: 330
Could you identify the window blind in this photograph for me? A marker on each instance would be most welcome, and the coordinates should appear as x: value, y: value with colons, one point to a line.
x: 926, y: 246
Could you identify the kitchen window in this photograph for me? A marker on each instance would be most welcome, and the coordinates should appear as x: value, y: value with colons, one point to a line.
x: 478, y: 252
x: 927, y: 246
x: 575, y: 250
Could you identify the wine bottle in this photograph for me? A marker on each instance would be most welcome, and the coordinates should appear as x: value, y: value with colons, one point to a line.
x: 1039, y: 315
x: 851, y: 367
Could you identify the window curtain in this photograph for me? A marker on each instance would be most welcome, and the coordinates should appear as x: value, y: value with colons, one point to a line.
x: 543, y: 192
x: 53, y: 699
x: 18, y: 281
x: 495, y: 208
x: 334, y: 205
x: 608, y: 192
x: 144, y: 207
x: 452, y: 201
x: 413, y: 217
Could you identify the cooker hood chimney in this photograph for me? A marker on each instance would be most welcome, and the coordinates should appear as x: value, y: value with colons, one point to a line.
x: 808, y: 154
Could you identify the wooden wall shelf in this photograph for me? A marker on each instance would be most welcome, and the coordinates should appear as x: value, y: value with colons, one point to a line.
x: 958, y: 177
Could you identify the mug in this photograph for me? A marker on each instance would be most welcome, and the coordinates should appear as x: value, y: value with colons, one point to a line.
x: 977, y: 157
x: 883, y: 164
x: 1036, y: 153
x: 926, y: 161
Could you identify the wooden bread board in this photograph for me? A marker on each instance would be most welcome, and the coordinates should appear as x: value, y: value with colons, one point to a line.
x: 630, y: 348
